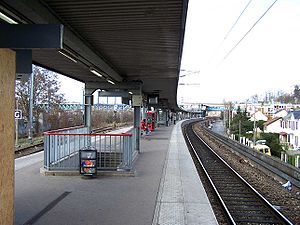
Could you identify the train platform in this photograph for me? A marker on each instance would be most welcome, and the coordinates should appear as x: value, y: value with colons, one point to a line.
x: 165, y: 190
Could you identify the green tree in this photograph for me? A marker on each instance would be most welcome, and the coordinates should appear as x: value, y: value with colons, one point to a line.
x: 296, y: 94
x: 272, y: 140
x: 289, y: 98
x: 240, y: 122
x: 260, y: 124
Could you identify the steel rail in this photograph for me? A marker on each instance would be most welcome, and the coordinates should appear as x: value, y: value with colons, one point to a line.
x: 228, y: 215
x: 278, y: 215
x: 29, y: 150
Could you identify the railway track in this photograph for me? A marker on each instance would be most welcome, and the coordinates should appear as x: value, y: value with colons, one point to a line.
x: 241, y: 203
x: 270, y: 165
x: 29, y: 150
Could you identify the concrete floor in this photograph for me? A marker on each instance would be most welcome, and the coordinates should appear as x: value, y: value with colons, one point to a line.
x: 165, y: 190
x: 104, y: 200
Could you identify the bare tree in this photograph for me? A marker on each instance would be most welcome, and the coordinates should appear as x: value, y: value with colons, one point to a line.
x: 46, y: 87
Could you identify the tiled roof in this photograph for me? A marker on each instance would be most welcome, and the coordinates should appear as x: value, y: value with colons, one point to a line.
x: 295, y: 113
x: 272, y: 121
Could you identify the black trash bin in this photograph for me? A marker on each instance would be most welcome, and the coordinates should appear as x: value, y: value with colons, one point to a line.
x: 88, y: 161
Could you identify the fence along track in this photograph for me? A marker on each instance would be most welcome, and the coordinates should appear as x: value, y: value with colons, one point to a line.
x: 242, y: 203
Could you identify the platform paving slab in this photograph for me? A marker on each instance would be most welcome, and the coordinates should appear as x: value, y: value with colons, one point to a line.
x: 182, y: 199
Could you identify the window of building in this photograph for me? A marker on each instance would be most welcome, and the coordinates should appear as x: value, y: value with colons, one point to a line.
x: 293, y: 125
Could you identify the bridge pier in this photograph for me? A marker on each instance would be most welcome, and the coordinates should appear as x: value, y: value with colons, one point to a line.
x: 7, y: 102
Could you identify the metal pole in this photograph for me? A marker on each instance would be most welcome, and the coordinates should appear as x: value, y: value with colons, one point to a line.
x: 240, y: 129
x: 254, y: 131
x: 229, y: 117
x: 83, y: 100
x: 17, y: 123
x: 30, y: 133
x: 98, y: 100
x: 136, y: 124
x: 88, y: 111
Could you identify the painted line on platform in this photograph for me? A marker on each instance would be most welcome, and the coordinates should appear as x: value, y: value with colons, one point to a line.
x: 47, y: 208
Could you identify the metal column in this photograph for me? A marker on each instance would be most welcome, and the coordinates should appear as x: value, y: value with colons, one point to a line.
x: 88, y: 102
x: 144, y: 116
x: 30, y: 130
x: 167, y: 117
x: 136, y: 124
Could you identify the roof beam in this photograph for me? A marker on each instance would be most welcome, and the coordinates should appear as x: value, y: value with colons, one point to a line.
x: 31, y: 36
x: 134, y: 87
x: 35, y: 12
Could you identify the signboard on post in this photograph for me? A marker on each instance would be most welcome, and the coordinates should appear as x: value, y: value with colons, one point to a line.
x: 137, y: 100
x: 18, y: 114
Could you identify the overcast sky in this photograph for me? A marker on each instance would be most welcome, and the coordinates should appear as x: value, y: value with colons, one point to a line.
x: 268, y: 58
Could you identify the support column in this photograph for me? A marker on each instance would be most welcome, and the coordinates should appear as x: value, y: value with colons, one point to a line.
x: 7, y: 162
x: 167, y: 118
x: 156, y: 117
x: 175, y: 117
x: 136, y: 125
x: 144, y: 116
x: 88, y: 102
x: 30, y: 130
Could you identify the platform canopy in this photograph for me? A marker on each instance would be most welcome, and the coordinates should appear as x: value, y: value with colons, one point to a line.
x: 124, y: 41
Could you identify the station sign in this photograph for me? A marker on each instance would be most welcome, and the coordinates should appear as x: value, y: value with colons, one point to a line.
x: 18, y: 114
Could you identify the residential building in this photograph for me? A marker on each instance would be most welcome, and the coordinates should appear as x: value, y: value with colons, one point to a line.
x: 258, y: 116
x: 290, y: 131
x: 273, y: 125
x: 280, y: 113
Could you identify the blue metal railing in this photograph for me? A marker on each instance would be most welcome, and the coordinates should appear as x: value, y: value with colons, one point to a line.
x: 61, y: 148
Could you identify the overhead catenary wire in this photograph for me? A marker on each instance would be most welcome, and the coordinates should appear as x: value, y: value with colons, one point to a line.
x: 230, y: 30
x: 190, y: 72
x: 237, y: 20
x: 225, y: 37
x: 234, y: 47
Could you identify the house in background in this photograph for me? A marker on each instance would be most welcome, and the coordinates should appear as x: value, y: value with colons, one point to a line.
x: 280, y: 113
x: 290, y: 129
x: 258, y: 116
x: 273, y: 125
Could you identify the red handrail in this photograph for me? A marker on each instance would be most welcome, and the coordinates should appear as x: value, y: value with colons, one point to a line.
x: 63, y: 134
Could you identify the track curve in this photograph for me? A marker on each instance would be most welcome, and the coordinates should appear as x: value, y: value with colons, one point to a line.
x: 241, y: 202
